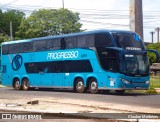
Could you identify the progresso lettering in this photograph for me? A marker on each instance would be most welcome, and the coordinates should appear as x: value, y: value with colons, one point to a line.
x: 133, y: 48
x: 63, y: 55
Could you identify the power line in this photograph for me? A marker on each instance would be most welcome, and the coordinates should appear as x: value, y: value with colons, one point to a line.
x: 98, y: 16
x: 8, y: 3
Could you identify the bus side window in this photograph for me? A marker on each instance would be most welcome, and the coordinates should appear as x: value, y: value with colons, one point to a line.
x: 5, y: 49
x: 14, y: 48
x: 43, y: 67
x: 39, y: 45
x: 103, y: 40
x: 70, y: 42
x: 77, y: 66
x: 31, y: 67
x: 108, y: 59
x: 58, y: 66
x: 112, y: 61
x: 53, y: 44
x: 27, y: 47
x: 85, y: 41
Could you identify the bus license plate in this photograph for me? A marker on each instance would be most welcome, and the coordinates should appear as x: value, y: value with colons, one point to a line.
x: 138, y: 87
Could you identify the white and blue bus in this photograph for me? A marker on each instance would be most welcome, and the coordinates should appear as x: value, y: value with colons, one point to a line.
x: 93, y: 60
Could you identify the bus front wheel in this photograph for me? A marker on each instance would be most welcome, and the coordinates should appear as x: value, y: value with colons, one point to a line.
x: 17, y: 84
x: 93, y: 86
x: 25, y: 84
x: 80, y: 88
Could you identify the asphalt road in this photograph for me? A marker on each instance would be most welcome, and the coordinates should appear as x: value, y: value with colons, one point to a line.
x: 137, y: 99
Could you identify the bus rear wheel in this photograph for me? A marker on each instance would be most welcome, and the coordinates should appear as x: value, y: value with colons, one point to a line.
x: 17, y: 84
x: 93, y: 86
x: 80, y: 88
x: 25, y: 84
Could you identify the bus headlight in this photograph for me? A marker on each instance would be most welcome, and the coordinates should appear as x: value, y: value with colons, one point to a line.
x: 125, y: 81
x: 148, y: 81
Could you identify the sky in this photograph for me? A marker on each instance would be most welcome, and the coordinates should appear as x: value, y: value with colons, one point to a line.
x: 96, y: 14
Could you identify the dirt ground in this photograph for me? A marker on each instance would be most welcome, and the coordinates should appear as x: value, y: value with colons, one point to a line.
x: 78, y: 107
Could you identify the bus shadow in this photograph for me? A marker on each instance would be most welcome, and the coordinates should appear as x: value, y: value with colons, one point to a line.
x: 87, y: 92
x: 130, y: 93
x: 51, y: 90
x: 127, y: 94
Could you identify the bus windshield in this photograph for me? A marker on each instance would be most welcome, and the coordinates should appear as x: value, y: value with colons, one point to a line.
x: 128, y: 41
x: 135, y: 65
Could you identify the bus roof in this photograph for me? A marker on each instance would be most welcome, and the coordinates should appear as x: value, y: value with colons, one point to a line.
x: 67, y: 35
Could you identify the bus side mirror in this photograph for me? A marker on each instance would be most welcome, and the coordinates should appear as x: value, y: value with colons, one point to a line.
x: 156, y: 53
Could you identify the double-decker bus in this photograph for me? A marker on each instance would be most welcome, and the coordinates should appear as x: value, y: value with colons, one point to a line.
x: 92, y: 60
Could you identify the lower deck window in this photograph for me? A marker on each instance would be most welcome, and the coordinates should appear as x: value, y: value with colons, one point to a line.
x: 59, y: 66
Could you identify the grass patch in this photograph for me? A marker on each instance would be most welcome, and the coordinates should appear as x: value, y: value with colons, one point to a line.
x: 155, y: 82
x: 149, y: 91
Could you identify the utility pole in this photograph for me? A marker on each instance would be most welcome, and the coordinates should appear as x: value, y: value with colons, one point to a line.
x: 152, y: 35
x: 158, y: 29
x: 11, y: 32
x: 63, y: 4
x: 136, y: 17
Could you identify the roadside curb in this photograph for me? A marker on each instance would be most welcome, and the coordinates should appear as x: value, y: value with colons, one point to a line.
x: 69, y: 115
x: 65, y: 114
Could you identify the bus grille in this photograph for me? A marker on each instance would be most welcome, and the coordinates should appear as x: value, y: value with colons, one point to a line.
x: 138, y: 83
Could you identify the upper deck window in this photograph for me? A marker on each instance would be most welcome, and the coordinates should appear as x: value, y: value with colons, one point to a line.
x: 27, y: 47
x: 70, y: 42
x: 5, y: 49
x: 85, y: 41
x: 39, y: 45
x: 53, y: 44
x: 98, y: 40
x: 103, y: 40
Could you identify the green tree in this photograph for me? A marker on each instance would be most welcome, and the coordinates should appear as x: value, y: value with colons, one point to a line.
x: 15, y: 16
x: 46, y: 22
x: 4, y: 38
x: 152, y: 56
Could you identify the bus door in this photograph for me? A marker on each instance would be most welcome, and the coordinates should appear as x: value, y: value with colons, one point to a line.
x: 109, y: 62
x: 69, y: 68
x: 112, y: 67
x: 57, y: 76
x: 44, y: 74
x: 68, y: 81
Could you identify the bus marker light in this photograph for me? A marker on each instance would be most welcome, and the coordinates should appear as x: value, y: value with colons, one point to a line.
x: 125, y: 81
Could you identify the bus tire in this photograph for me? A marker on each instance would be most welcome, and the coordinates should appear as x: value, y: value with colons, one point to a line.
x: 120, y: 91
x: 79, y: 86
x: 17, y: 84
x: 93, y: 86
x: 106, y: 91
x: 25, y: 84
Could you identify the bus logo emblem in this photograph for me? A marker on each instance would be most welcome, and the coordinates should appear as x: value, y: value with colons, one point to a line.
x: 17, y: 62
